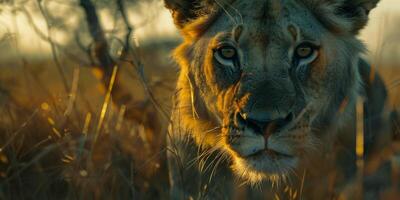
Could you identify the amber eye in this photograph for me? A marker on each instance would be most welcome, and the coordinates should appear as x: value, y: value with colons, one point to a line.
x: 305, y: 50
x: 227, y: 52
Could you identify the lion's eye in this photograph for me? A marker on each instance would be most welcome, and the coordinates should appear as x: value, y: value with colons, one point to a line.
x: 305, y: 50
x: 227, y: 52
x: 227, y: 55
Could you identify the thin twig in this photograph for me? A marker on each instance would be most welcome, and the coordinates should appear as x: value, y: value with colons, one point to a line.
x: 15, y: 134
x: 53, y: 47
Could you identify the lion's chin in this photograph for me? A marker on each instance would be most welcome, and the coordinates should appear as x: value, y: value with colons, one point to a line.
x: 264, y: 166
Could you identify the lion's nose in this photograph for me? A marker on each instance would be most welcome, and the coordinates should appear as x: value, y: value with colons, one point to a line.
x: 266, y: 126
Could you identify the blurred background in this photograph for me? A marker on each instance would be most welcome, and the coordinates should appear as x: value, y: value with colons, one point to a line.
x: 86, y: 88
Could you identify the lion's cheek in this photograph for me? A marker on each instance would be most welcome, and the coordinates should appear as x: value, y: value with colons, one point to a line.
x: 318, y: 71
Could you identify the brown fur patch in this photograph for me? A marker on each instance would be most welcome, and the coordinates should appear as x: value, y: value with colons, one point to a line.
x: 293, y: 32
x: 318, y: 69
x: 260, y: 38
x: 276, y: 9
x: 237, y: 32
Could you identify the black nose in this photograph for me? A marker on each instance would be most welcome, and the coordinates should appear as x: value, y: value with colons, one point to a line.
x: 260, y: 126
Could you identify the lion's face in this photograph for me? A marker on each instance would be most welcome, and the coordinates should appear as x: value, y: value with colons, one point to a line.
x: 271, y: 74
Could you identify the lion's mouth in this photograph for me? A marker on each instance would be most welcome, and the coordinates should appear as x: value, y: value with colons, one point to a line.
x: 253, y: 139
x: 267, y: 149
x: 272, y: 154
x: 265, y: 164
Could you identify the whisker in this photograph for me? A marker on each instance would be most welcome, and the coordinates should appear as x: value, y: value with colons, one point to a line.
x: 226, y: 12
x: 222, y: 158
x: 238, y: 13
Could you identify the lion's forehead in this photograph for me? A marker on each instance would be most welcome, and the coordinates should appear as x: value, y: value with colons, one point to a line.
x: 272, y: 9
x: 267, y: 18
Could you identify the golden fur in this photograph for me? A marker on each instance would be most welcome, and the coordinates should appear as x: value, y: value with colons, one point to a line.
x: 226, y: 110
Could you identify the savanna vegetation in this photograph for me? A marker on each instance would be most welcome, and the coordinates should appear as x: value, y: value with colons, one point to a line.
x: 85, y: 96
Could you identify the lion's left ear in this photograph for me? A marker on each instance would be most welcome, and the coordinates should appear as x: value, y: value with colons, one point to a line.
x: 342, y: 16
x: 356, y: 12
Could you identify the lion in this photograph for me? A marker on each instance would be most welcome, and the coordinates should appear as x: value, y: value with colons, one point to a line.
x: 266, y: 97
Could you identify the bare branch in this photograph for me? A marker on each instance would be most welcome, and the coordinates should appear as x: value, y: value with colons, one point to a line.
x: 101, y: 48
x: 129, y: 29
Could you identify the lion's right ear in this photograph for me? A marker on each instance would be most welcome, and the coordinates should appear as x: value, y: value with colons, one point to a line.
x: 184, y: 11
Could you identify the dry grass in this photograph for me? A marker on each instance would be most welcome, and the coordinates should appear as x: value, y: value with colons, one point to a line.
x: 78, y: 144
